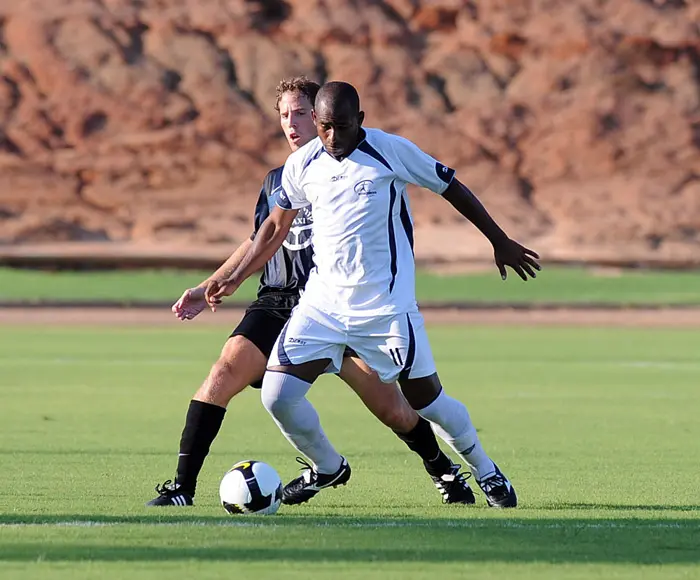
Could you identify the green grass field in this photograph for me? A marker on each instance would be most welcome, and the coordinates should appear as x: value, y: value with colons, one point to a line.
x: 555, y: 285
x: 597, y: 429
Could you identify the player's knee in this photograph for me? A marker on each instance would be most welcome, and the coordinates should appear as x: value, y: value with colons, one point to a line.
x: 222, y: 383
x: 281, y: 393
x: 421, y: 392
x: 271, y: 395
x: 400, y: 418
x: 222, y: 369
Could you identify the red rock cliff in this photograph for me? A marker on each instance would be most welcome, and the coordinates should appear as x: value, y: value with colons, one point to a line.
x: 577, y: 121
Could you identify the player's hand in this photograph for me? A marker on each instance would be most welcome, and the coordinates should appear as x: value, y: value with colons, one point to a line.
x: 510, y: 253
x: 190, y: 304
x: 217, y: 290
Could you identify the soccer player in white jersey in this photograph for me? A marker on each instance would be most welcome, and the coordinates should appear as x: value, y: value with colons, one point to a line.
x: 361, y: 294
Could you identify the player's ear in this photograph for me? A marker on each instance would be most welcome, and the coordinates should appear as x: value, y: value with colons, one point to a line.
x: 313, y: 115
x: 360, y: 118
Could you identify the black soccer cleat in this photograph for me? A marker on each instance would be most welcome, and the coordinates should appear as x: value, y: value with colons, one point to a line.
x: 310, y: 482
x: 171, y: 493
x: 454, y: 487
x: 498, y: 490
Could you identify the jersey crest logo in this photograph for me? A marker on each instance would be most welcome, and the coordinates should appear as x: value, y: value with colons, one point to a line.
x: 365, y: 187
x: 299, y: 236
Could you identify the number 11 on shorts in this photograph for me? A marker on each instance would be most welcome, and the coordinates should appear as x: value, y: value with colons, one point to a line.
x: 396, y: 356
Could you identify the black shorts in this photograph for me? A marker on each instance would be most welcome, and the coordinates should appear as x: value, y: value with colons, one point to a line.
x: 263, y: 321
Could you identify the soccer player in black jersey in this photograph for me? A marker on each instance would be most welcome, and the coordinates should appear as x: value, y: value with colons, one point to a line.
x: 244, y: 356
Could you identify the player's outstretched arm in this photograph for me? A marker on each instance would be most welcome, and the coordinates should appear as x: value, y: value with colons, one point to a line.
x: 268, y: 240
x: 192, y: 301
x: 507, y: 252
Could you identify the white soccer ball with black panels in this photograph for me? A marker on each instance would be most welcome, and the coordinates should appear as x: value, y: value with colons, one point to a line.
x: 251, y: 487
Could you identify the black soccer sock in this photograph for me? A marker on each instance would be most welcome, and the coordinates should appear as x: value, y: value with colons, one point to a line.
x: 201, y: 427
x: 421, y: 440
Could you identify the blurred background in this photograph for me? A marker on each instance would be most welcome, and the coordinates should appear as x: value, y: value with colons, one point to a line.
x: 137, y: 133
x: 134, y: 138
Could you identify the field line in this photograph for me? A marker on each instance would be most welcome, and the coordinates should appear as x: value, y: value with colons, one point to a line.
x: 593, y: 525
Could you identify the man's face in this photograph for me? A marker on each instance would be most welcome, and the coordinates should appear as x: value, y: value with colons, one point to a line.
x: 296, y: 120
x: 338, y: 128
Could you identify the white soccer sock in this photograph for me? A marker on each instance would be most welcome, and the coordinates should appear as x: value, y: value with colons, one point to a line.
x: 452, y: 423
x: 284, y: 397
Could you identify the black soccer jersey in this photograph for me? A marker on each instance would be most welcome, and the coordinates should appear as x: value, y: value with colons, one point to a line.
x: 288, y: 270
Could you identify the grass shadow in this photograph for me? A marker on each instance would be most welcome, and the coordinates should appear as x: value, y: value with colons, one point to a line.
x: 621, y: 507
x: 352, y: 539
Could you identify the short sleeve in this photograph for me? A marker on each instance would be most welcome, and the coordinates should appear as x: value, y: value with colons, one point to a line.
x: 290, y: 195
x: 413, y: 165
x: 262, y: 210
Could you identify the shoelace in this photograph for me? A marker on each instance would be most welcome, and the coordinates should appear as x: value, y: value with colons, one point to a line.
x: 490, y: 483
x: 305, y: 465
x: 460, y: 479
x: 166, y: 487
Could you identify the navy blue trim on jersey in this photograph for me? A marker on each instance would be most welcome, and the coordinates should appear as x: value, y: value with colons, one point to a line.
x: 445, y: 173
x: 281, y: 353
x: 282, y: 199
x: 406, y: 221
x: 411, y: 354
x: 313, y: 158
x: 392, y: 236
x: 372, y: 152
x: 288, y: 270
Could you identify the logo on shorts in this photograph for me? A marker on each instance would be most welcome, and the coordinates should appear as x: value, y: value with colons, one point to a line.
x: 296, y: 341
x: 338, y: 178
x: 365, y: 187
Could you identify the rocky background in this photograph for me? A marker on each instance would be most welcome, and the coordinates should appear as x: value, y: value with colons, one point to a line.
x: 151, y: 122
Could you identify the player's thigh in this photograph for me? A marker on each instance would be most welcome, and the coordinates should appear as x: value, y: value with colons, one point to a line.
x: 384, y: 400
x: 394, y: 346
x: 310, y: 343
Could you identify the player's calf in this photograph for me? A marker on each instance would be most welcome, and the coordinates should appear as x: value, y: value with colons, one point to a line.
x: 239, y: 364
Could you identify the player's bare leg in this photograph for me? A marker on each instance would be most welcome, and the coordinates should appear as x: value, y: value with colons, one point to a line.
x: 240, y: 363
x: 453, y: 424
x: 384, y: 400
x: 388, y: 404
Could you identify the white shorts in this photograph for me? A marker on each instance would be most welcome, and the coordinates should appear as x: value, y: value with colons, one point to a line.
x: 392, y: 345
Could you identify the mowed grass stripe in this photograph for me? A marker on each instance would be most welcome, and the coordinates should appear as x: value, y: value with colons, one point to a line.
x: 603, y: 456
x: 555, y: 285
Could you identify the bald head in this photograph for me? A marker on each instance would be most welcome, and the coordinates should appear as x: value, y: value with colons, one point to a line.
x: 338, y: 95
x: 338, y: 118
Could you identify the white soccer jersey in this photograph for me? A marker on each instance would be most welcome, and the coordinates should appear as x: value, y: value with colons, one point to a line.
x: 363, y: 230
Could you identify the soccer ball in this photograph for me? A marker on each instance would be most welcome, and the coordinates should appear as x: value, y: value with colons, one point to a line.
x: 251, y: 487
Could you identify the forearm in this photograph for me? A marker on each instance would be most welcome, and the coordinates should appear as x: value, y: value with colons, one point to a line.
x: 467, y: 204
x: 230, y: 265
x: 267, y: 241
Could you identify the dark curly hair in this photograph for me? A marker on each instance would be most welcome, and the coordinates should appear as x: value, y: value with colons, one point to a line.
x: 301, y: 85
